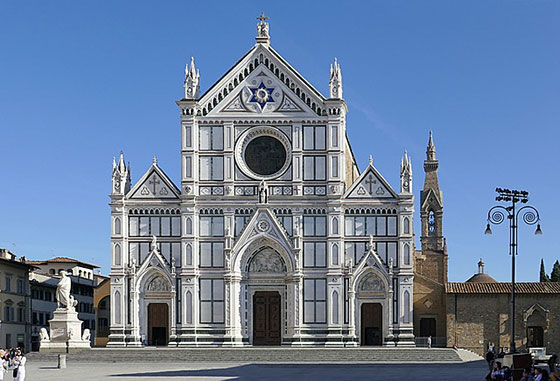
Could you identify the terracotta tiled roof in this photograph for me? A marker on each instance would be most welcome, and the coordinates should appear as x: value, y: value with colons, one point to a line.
x: 502, y: 288
x: 62, y: 260
x: 482, y: 278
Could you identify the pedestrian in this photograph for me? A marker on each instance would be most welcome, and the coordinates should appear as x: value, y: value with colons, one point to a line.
x: 527, y: 376
x: 497, y: 373
x: 19, y: 363
x: 429, y: 341
x: 541, y: 374
x: 490, y: 357
x: 3, y: 364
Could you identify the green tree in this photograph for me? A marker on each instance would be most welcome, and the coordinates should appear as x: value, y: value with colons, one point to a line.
x: 555, y: 274
x: 543, y: 276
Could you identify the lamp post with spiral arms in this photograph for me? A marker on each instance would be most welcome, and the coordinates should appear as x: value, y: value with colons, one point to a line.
x: 496, y: 215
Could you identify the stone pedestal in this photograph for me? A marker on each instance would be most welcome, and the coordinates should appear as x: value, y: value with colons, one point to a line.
x: 65, y: 333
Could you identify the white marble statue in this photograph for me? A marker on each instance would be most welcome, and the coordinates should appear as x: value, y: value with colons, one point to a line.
x: 43, y: 334
x: 63, y: 297
x: 86, y: 336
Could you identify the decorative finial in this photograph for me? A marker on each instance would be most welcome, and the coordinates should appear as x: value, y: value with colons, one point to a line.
x: 154, y: 160
x: 192, y: 81
x: 154, y: 243
x: 370, y: 160
x: 481, y: 266
x: 263, y: 37
x: 431, y: 151
x: 335, y: 81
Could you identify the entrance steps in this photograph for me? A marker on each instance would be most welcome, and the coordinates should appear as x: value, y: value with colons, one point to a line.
x: 258, y: 355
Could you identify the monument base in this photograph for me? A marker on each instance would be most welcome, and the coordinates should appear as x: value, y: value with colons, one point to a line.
x: 65, y: 333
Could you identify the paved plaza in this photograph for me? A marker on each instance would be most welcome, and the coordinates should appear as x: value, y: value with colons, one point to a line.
x: 267, y: 364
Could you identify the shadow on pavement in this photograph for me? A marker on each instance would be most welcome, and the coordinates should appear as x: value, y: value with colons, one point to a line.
x: 475, y: 370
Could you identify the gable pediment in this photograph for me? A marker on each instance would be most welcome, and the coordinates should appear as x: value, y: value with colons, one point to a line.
x: 262, y: 82
x: 155, y: 184
x: 430, y: 199
x: 370, y: 185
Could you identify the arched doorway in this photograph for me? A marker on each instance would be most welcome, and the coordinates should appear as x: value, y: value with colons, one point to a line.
x: 158, y: 324
x: 371, y: 324
x: 267, y: 318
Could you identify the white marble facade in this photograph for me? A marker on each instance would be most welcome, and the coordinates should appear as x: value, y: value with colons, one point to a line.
x: 270, y: 202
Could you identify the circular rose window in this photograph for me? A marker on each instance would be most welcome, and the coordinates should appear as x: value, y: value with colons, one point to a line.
x: 263, y: 153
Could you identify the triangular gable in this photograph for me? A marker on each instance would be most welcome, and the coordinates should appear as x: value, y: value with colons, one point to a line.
x: 155, y: 184
x: 263, y: 222
x: 155, y: 259
x: 429, y: 198
x: 370, y: 185
x: 373, y: 260
x: 230, y: 93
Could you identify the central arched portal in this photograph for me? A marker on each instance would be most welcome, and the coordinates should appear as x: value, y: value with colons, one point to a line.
x: 267, y: 319
x: 158, y: 324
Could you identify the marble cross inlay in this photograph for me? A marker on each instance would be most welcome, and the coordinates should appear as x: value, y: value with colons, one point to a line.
x: 154, y: 181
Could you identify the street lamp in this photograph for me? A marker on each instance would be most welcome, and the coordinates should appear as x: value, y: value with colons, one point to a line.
x: 497, y: 215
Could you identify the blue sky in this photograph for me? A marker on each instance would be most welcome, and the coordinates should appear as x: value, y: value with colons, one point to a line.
x: 82, y: 80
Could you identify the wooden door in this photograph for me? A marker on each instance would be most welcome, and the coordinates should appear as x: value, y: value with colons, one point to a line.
x: 158, y: 324
x: 371, y: 324
x: 267, y: 318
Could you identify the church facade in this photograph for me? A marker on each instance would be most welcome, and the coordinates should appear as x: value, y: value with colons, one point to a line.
x: 273, y: 236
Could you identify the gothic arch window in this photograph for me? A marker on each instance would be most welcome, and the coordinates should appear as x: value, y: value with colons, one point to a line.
x: 188, y: 301
x: 406, y: 254
x: 335, y: 307
x: 334, y: 225
x: 117, y: 255
x: 117, y: 226
x: 188, y: 254
x: 406, y: 307
x: 406, y: 225
x: 188, y: 225
x: 117, y: 308
x: 431, y: 223
x: 335, y: 254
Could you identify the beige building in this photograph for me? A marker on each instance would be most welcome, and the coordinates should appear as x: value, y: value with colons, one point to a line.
x: 15, y: 301
x: 102, y: 305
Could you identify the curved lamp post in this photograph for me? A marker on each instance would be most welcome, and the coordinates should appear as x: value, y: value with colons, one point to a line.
x: 496, y: 215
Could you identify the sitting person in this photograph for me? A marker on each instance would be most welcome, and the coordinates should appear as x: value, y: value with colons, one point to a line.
x: 541, y: 375
x: 497, y: 373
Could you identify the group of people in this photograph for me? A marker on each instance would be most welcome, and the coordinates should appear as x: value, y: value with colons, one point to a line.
x: 13, y: 360
x: 535, y: 373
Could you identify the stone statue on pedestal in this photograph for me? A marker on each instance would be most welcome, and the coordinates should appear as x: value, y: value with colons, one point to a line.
x: 63, y: 297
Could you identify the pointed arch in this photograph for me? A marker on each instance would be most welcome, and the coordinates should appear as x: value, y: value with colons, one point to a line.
x: 188, y: 226
x: 188, y: 255
x: 406, y: 254
x: 117, y: 228
x: 188, y: 302
x: 334, y: 308
x: 334, y: 228
x: 118, y: 254
x: 406, y: 307
x: 335, y: 255
x: 117, y: 307
x: 406, y: 225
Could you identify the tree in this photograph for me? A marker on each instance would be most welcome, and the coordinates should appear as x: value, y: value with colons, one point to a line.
x: 555, y: 274
x: 543, y: 276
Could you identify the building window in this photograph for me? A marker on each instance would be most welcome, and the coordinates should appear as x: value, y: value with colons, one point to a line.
x: 211, y: 226
x: 211, y: 168
x: 240, y: 222
x: 171, y: 249
x: 286, y: 222
x: 387, y: 250
x: 314, y: 226
x: 334, y: 136
x: 117, y: 308
x: 188, y: 301
x: 188, y: 226
x: 188, y: 254
x: 211, y: 254
x: 188, y: 166
x: 315, y: 303
x: 211, y: 301
x: 395, y: 300
x: 20, y: 286
x: 431, y: 223
x: 370, y: 225
x: 211, y: 138
x: 188, y: 136
x: 406, y: 226
x: 158, y: 226
x: 314, y: 254
x: 21, y: 314
x: 117, y: 254
x: 334, y: 228
x: 314, y: 138
x: 314, y: 168
x: 8, y: 283
x: 355, y: 250
x: 117, y: 226
x: 334, y: 166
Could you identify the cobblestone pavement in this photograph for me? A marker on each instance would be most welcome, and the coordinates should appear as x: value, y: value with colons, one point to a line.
x: 40, y: 370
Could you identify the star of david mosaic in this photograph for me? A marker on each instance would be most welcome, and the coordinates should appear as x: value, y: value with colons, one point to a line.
x: 261, y: 95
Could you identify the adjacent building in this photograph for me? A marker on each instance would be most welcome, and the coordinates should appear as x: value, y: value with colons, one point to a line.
x: 273, y: 235
x: 44, y: 284
x: 15, y: 303
x: 102, y: 307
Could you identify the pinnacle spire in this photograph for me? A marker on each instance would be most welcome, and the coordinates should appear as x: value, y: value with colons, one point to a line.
x: 335, y: 81
x: 154, y: 160
x: 122, y: 165
x: 192, y: 80
x: 431, y: 151
x: 370, y: 160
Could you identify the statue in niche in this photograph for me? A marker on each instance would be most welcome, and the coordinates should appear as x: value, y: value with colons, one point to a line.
x: 267, y: 261
x: 263, y: 193
x: 158, y: 284
x: 372, y: 283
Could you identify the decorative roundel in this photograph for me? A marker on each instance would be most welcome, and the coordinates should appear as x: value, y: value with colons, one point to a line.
x: 263, y: 153
x: 263, y: 225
